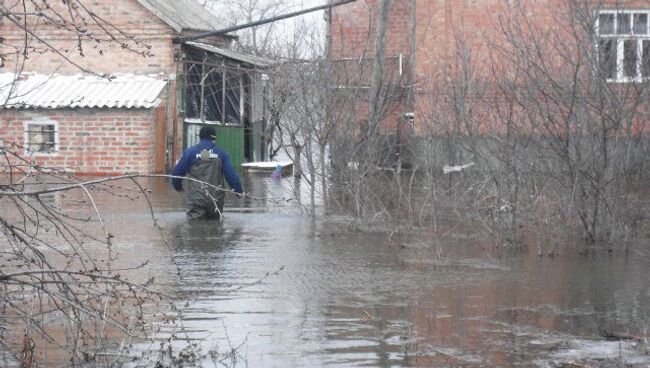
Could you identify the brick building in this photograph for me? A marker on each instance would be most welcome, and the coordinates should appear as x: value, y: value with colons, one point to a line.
x: 427, y: 43
x: 159, y: 92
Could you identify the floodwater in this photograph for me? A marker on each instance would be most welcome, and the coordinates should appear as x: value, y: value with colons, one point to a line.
x: 283, y: 292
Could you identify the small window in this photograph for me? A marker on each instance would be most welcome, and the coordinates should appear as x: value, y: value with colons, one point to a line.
x: 640, y: 24
x: 607, y: 57
x: 41, y: 138
x: 629, y: 58
x: 623, y: 23
x: 623, y: 51
x: 606, y: 23
x: 645, y: 63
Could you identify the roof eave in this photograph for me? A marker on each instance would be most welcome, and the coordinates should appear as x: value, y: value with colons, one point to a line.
x: 260, y: 63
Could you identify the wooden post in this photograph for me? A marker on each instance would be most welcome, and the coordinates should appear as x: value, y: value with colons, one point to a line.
x: 203, y: 77
x: 223, y: 93
x: 242, y: 96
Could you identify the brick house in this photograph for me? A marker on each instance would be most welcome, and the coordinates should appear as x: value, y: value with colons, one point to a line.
x: 423, y: 39
x: 139, y: 119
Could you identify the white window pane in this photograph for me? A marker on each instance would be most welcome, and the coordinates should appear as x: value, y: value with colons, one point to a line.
x: 41, y: 138
x: 645, y: 63
x: 606, y: 23
x: 49, y: 133
x: 623, y: 23
x: 640, y: 23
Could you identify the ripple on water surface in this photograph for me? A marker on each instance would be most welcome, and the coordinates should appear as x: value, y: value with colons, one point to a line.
x: 364, y: 299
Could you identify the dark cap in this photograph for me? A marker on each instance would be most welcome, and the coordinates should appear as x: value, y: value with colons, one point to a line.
x: 207, y: 132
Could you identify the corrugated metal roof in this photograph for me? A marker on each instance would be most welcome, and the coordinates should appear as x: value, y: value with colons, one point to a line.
x: 183, y: 15
x: 229, y: 54
x: 70, y: 91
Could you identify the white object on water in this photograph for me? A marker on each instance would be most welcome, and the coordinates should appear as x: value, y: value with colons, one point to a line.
x: 449, y: 169
x: 266, y: 165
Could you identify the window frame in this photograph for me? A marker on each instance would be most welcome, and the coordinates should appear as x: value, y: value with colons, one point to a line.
x: 620, y: 40
x: 40, y: 122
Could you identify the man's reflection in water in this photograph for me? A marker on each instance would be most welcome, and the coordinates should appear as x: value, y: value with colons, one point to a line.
x: 203, y: 236
x: 200, y: 250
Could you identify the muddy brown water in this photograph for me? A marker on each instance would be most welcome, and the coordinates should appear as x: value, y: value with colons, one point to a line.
x: 348, y: 299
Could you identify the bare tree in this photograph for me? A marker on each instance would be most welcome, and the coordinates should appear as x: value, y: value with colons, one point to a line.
x: 73, y: 19
x: 298, y: 107
x: 556, y: 144
x: 319, y: 105
x: 260, y: 40
x: 59, y: 265
x: 532, y: 129
x: 59, y: 284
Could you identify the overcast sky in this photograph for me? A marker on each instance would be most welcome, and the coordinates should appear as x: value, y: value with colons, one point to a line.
x: 282, y: 32
x: 226, y: 7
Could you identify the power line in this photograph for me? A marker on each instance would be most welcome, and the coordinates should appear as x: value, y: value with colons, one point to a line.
x: 260, y: 22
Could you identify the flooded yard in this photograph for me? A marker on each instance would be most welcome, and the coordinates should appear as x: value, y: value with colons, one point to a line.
x: 272, y: 289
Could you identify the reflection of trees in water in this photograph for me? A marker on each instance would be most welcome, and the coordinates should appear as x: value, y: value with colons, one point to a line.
x: 63, y: 279
x: 613, y: 301
x: 257, y: 188
x: 266, y: 192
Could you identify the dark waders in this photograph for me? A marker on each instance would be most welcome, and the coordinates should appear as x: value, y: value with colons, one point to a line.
x: 205, y: 201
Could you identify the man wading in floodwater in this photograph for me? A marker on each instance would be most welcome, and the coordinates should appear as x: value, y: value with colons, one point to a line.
x: 207, y: 163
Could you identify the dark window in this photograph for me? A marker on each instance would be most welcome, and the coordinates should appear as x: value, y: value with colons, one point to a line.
x: 233, y: 87
x: 640, y: 23
x: 622, y: 45
x: 204, y: 92
x: 629, y: 58
x: 623, y: 20
x: 606, y: 23
x: 213, y: 88
x: 41, y: 138
x: 607, y: 57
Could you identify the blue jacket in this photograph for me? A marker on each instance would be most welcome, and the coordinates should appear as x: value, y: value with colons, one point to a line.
x: 190, y: 156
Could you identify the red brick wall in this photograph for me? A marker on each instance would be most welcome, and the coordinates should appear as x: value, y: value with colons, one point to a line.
x: 353, y: 29
x: 441, y: 26
x: 91, y: 141
x: 353, y: 37
x: 106, y: 57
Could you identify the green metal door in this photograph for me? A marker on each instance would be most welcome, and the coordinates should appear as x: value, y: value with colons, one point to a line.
x: 229, y: 138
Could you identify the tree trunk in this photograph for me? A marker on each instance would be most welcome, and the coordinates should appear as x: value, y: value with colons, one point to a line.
x: 376, y: 98
x: 323, y: 174
x: 297, y: 153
